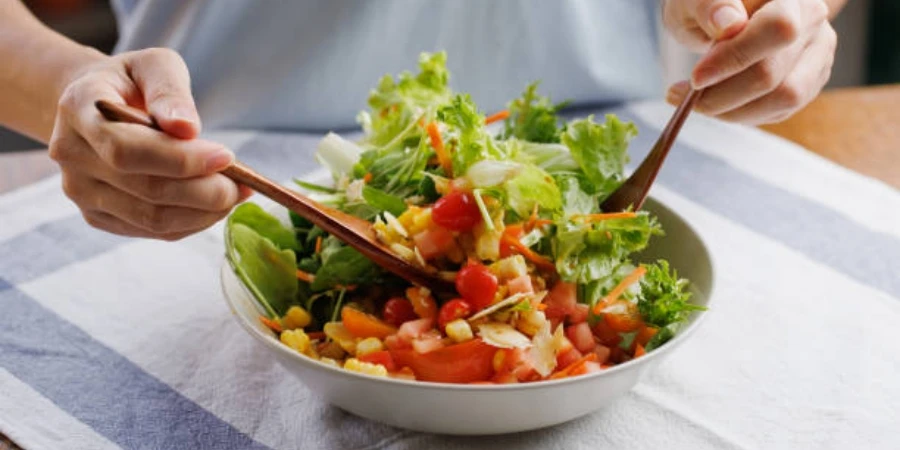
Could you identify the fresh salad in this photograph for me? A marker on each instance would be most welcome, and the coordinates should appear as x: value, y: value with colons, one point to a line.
x: 504, y: 205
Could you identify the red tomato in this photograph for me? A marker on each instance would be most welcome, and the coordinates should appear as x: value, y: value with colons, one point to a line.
x: 456, y: 211
x: 561, y: 300
x: 581, y: 337
x: 398, y: 310
x: 382, y: 357
x: 520, y: 285
x: 393, y: 342
x: 477, y: 285
x: 623, y: 316
x: 414, y: 328
x: 602, y: 353
x: 427, y: 343
x: 452, y: 310
x: 564, y: 359
x: 459, y: 363
x: 579, y: 314
x: 607, y: 335
x: 433, y: 242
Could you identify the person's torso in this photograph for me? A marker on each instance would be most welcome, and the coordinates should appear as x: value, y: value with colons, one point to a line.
x: 310, y: 64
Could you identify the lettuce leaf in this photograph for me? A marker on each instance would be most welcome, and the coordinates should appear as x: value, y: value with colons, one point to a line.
x: 601, y: 150
x: 533, y: 117
x: 530, y: 187
x: 269, y: 227
x: 343, y: 265
x: 470, y: 140
x: 664, y: 298
x: 268, y: 271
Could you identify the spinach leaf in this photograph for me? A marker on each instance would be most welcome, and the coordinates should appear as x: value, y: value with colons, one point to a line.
x: 269, y: 272
x: 253, y: 216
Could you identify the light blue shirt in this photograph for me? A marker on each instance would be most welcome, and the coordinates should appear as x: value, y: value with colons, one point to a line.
x: 309, y: 65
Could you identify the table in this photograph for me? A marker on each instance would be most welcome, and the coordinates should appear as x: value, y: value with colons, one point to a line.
x: 853, y: 127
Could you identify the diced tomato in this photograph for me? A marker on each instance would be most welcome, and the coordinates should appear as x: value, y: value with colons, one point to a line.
x: 398, y: 310
x: 365, y: 325
x: 456, y: 211
x: 393, y: 342
x: 477, y: 284
x: 434, y: 242
x: 591, y: 367
x: 561, y: 300
x: 414, y: 328
x: 579, y: 314
x: 423, y: 303
x: 645, y: 334
x: 460, y: 363
x: 602, y: 353
x: 520, y: 285
x: 382, y: 357
x: 452, y: 310
x: 554, y: 321
x: 566, y: 358
x: 606, y: 335
x: 427, y: 343
x: 581, y: 337
x: 505, y: 378
x: 622, y: 316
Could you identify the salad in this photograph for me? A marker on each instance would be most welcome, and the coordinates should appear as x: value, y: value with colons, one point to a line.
x: 506, y: 206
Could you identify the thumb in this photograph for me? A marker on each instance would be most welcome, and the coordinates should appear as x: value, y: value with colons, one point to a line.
x: 163, y: 78
x: 720, y: 19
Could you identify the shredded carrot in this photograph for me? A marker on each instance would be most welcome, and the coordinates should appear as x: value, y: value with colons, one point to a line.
x: 349, y: 288
x: 367, y: 178
x: 530, y: 255
x: 639, y: 351
x: 573, y: 369
x: 533, y: 218
x: 617, y: 291
x: 305, y: 276
x: 541, y: 306
x: 443, y: 156
x: 605, y: 216
x: 319, y: 245
x: 496, y: 117
x: 272, y: 324
x: 314, y: 335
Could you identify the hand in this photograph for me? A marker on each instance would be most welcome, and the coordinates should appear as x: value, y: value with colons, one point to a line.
x: 132, y: 180
x: 760, y: 70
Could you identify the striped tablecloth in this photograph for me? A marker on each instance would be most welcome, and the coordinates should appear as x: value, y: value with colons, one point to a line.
x: 107, y: 342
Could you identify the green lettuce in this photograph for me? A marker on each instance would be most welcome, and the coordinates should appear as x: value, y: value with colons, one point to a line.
x: 532, y: 186
x: 471, y: 141
x: 664, y: 298
x: 601, y: 150
x: 533, y: 117
x: 269, y: 227
x: 268, y: 271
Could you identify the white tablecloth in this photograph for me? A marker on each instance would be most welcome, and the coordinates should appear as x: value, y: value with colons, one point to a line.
x: 107, y: 342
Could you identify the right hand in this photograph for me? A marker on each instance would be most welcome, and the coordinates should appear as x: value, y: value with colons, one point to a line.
x: 130, y: 179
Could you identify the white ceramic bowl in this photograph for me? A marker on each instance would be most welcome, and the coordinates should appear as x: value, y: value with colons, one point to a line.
x: 493, y: 409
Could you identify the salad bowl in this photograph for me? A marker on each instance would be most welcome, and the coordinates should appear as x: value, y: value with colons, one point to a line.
x: 462, y: 409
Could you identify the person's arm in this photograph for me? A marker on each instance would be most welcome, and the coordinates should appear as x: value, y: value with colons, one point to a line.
x: 765, y: 59
x: 126, y: 179
x: 38, y: 64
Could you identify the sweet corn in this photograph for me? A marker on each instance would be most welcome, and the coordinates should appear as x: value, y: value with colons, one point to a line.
x: 295, y: 339
x: 330, y: 362
x: 338, y: 333
x: 459, y: 330
x: 416, y: 220
x: 296, y: 317
x: 530, y: 321
x: 510, y: 267
x: 355, y: 365
x: 369, y: 345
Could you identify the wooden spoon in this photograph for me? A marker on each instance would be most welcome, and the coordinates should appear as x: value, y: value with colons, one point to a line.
x: 633, y: 191
x: 356, y: 232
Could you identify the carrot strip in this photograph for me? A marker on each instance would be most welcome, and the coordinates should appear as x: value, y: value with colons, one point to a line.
x: 530, y: 255
x: 531, y: 220
x: 319, y: 244
x: 305, y: 276
x: 541, y: 306
x: 367, y: 178
x: 639, y: 351
x: 575, y: 366
x: 605, y: 216
x: 443, y: 157
x: 496, y: 117
x: 617, y: 291
x: 272, y: 324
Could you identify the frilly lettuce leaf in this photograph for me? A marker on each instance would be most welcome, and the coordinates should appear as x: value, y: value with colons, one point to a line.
x: 601, y: 150
x: 532, y: 186
x: 472, y: 143
x: 533, y: 117
x: 664, y: 298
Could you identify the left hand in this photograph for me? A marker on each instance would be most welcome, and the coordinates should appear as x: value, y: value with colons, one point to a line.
x: 764, y: 66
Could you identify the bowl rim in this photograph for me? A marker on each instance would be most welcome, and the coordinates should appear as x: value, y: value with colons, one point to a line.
x: 272, y: 342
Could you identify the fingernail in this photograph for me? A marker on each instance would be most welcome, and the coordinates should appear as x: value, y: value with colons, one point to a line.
x: 219, y: 160
x: 700, y: 79
x: 182, y: 113
x: 679, y: 89
x: 725, y: 17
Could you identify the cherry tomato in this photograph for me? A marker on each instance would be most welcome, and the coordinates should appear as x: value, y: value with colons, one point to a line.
x: 459, y: 363
x: 477, y: 284
x: 452, y: 310
x: 456, y: 211
x: 382, y: 357
x: 398, y: 310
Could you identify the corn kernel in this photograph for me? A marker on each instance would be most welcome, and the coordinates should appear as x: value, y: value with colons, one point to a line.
x: 355, y: 365
x: 499, y: 360
x: 329, y: 362
x: 510, y: 267
x: 295, y: 339
x: 459, y: 330
x: 369, y: 345
x: 338, y: 333
x: 296, y: 317
x: 421, y: 222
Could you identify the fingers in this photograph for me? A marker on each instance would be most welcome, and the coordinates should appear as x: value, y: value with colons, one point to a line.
x: 776, y: 25
x: 697, y: 23
x: 165, y: 82
x: 111, y: 224
x: 797, y: 89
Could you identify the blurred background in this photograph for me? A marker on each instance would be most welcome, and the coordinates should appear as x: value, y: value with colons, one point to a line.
x: 868, y: 52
